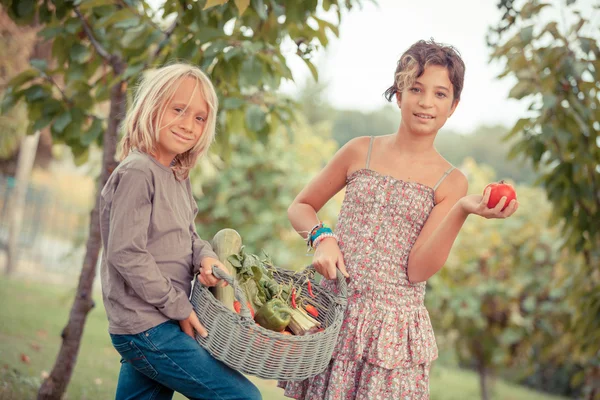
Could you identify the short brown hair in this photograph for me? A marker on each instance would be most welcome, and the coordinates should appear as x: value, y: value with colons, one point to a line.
x: 421, y: 55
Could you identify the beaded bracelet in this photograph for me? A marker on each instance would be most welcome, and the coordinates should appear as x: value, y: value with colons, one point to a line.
x: 323, y: 236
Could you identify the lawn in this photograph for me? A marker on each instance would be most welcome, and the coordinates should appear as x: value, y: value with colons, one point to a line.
x: 33, y: 315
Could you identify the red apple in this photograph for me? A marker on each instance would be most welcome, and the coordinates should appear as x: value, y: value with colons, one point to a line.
x: 499, y: 190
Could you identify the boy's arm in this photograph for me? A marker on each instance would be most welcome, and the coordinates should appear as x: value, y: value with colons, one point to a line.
x: 126, y: 246
x: 201, y: 249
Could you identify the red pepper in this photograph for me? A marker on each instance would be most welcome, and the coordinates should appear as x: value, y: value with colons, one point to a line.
x: 310, y: 292
x: 312, y: 310
x: 294, y: 298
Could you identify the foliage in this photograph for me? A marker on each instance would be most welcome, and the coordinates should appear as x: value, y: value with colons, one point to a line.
x: 239, y: 44
x: 555, y: 67
x: 553, y: 52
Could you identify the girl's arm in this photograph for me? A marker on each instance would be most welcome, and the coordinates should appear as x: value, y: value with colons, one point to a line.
x: 302, y: 213
x: 131, y: 207
x: 433, y: 245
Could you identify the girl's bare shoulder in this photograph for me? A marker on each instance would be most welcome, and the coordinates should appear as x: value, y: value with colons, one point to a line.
x: 355, y: 153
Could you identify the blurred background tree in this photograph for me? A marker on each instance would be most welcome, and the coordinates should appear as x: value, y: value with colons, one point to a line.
x: 551, y: 49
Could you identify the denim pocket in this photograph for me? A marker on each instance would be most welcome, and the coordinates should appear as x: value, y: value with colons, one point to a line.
x: 134, y: 356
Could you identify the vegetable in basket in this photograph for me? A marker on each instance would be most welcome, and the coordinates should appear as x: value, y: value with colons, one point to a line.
x: 275, y: 315
x: 256, y: 278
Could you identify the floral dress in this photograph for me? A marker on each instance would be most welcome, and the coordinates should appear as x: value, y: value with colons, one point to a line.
x: 386, y: 342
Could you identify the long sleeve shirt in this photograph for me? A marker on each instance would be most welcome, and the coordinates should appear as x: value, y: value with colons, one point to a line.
x: 151, y: 250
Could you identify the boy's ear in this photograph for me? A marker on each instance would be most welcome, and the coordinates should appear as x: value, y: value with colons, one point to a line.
x: 398, y: 98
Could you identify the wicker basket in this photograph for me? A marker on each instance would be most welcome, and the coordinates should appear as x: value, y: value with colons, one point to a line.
x: 237, y: 341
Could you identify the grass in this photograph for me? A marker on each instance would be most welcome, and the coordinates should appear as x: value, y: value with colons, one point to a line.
x: 33, y: 315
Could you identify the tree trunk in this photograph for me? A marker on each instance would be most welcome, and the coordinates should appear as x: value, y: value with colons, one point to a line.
x: 27, y: 152
x: 55, y: 385
x: 483, y: 380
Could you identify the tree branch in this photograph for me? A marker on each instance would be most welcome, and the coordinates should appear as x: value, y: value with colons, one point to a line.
x: 168, y: 34
x: 88, y: 31
x: 62, y: 92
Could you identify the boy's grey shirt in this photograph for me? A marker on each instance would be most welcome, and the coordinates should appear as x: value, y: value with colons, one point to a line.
x: 151, y: 250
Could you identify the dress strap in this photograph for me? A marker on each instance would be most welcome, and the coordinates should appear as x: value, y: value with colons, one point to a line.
x: 369, y: 152
x: 444, y: 177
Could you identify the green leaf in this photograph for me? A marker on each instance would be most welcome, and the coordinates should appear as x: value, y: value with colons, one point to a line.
x: 80, y: 53
x: 81, y: 155
x: 121, y: 15
x: 251, y: 72
x: 35, y: 92
x: 38, y: 64
x: 62, y: 121
x: 45, y: 14
x: 24, y: 9
x: 60, y: 50
x: 231, y: 103
x: 41, y: 123
x: 255, y: 118
x: 549, y: 101
x: 50, y: 32
x: 261, y: 10
x: 231, y: 53
x: 133, y: 38
x: 85, y: 5
x: 133, y: 70
x: 9, y: 100
x: 93, y: 133
x: 526, y: 34
x: 520, y: 90
x: 312, y: 68
x: 206, y: 34
x: 25, y: 76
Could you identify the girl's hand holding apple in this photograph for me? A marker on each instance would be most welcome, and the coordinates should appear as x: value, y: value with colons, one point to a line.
x: 499, y: 200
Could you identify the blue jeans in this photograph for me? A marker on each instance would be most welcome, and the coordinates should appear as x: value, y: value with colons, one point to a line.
x: 163, y: 359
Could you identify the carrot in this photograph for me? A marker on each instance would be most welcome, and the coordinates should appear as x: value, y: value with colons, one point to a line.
x: 312, y: 310
x: 237, y: 306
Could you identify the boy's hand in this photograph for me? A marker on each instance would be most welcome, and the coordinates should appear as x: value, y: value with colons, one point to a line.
x: 206, y: 276
x: 192, y: 323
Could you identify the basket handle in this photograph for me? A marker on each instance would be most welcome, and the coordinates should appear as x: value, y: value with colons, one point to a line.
x: 237, y: 290
x: 342, y: 286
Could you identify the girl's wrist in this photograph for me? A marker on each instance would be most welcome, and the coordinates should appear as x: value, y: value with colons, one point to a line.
x: 462, y: 205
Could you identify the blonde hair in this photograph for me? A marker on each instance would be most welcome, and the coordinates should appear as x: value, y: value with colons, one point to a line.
x: 421, y: 55
x: 143, y: 121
